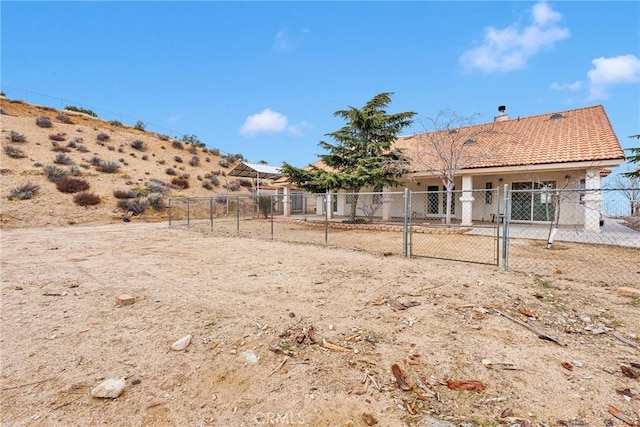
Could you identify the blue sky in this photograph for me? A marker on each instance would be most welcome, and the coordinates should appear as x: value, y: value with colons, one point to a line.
x: 263, y: 79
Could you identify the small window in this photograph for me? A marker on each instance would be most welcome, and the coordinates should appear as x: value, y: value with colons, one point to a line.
x: 488, y: 195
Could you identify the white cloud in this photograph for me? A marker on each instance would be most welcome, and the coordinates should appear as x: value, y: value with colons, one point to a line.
x: 298, y: 130
x: 571, y: 87
x: 510, y: 48
x: 612, y: 71
x: 266, y: 121
x: 284, y: 43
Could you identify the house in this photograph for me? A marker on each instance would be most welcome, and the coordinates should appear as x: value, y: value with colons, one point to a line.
x: 560, y: 150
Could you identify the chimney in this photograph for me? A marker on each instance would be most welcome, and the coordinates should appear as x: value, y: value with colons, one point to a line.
x: 502, y: 116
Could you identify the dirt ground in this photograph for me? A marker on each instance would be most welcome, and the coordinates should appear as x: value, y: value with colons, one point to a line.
x: 326, y: 326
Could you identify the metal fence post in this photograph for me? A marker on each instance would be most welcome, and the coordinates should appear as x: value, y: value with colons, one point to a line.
x: 505, y: 228
x: 497, y: 217
x: 169, y: 212
x: 211, y: 212
x: 237, y: 214
x: 405, y: 228
x: 272, y: 197
x: 327, y: 206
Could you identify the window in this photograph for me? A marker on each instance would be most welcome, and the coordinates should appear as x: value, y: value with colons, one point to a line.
x: 488, y: 195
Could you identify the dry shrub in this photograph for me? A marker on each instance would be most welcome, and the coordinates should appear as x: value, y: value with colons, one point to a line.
x: 123, y: 194
x: 44, y: 122
x: 54, y: 173
x: 23, y: 192
x: 14, y: 152
x: 62, y: 159
x: 180, y: 183
x: 72, y: 185
x: 108, y: 166
x: 16, y: 137
x: 86, y: 199
x: 63, y: 118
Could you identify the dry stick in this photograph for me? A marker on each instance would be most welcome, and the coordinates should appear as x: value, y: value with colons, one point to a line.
x: 541, y: 334
x: 279, y: 366
x: 28, y: 384
x: 624, y: 340
x: 65, y: 404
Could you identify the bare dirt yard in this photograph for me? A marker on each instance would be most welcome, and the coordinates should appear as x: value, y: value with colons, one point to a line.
x: 296, y: 334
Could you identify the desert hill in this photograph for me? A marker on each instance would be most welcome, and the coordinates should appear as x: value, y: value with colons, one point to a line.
x: 61, y: 167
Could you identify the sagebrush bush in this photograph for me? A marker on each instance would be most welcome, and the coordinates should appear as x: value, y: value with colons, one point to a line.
x: 103, y: 137
x: 14, y: 152
x: 108, y: 166
x: 163, y: 137
x: 156, y: 201
x: 139, y: 145
x: 170, y: 171
x: 115, y: 123
x: 75, y: 170
x: 44, y: 122
x: 125, y: 194
x: 121, y: 149
x: 140, y: 125
x: 16, y: 137
x: 58, y: 137
x: 72, y: 144
x: 95, y: 161
x: 23, y: 191
x: 207, y: 184
x: 83, y: 149
x: 195, y: 161
x: 111, y: 148
x: 246, y: 183
x: 145, y: 157
x: 224, y: 162
x: 63, y: 118
x: 193, y: 150
x: 62, y: 159
x: 180, y: 183
x: 59, y: 149
x: 214, y: 180
x: 157, y: 186
x: 54, y: 173
x: 233, y: 186
x: 185, y: 176
x: 177, y: 159
x: 72, y: 185
x: 137, y: 206
x: 177, y: 144
x: 86, y: 199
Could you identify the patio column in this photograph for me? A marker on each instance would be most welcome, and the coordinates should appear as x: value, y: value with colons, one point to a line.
x: 286, y: 202
x: 386, y: 204
x: 592, y: 201
x: 467, y: 200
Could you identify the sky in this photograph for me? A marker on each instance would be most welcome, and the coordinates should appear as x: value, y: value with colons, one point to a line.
x: 263, y: 79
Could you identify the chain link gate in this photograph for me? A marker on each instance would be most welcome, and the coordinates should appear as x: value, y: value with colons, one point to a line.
x: 431, y: 237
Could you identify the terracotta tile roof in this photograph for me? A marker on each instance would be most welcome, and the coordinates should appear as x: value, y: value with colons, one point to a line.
x: 583, y: 134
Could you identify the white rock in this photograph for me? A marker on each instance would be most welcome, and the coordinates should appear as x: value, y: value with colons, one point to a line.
x: 250, y: 356
x: 182, y: 343
x: 109, y: 389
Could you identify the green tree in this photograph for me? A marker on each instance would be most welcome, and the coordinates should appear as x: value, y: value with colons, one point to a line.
x: 362, y: 155
x: 634, y: 157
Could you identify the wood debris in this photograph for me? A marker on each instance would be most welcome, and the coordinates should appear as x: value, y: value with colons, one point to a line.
x: 401, y: 378
x: 333, y: 347
x: 525, y: 311
x: 279, y: 366
x: 630, y: 372
x: 622, y: 416
x: 369, y: 419
x: 465, y: 385
x: 541, y: 334
x: 624, y: 340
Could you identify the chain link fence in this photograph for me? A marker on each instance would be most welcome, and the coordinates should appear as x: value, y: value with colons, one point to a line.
x: 576, y: 234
